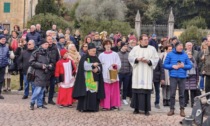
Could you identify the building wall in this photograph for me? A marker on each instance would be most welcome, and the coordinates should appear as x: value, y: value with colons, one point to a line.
x: 16, y: 15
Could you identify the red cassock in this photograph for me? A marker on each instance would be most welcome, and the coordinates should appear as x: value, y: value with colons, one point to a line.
x: 64, y: 71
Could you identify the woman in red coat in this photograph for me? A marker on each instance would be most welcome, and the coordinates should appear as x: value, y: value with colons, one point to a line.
x: 64, y: 73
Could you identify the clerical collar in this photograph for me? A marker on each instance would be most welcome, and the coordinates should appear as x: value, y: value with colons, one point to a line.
x: 106, y: 52
x: 143, y: 46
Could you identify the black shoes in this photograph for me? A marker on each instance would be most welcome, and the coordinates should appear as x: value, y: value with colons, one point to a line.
x: 32, y: 106
x: 51, y: 102
x: 44, y: 107
x: 147, y: 113
x: 20, y: 89
x: 24, y: 97
x: 44, y: 102
x: 136, y: 111
x: 1, y: 97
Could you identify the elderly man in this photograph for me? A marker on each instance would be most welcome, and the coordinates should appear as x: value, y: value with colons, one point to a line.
x: 24, y: 64
x: 33, y: 35
x: 143, y: 59
x: 177, y: 62
x: 41, y: 62
x: 40, y: 31
x: 4, y: 57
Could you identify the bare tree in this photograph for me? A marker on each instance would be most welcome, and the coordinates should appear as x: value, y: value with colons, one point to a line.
x: 101, y: 10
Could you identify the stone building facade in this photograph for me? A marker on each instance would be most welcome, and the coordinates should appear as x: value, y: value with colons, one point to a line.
x: 16, y: 12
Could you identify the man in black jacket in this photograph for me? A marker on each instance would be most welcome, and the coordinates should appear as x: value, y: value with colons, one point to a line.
x: 23, y: 61
x: 40, y: 31
x: 54, y: 56
x: 42, y: 64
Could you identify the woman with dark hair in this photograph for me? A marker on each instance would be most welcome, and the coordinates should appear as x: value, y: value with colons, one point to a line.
x: 83, y: 49
x: 17, y: 29
x: 110, y: 60
x: 88, y: 39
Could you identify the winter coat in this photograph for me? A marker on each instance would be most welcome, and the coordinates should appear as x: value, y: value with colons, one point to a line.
x: 172, y: 58
x: 192, y: 77
x: 158, y: 72
x: 38, y: 58
x: 166, y: 72
x: 23, y: 60
x: 60, y: 46
x: 153, y: 43
x: 42, y: 34
x: 125, y: 64
x: 206, y: 66
x: 34, y: 36
x: 53, y: 53
x: 98, y: 45
x: 4, y: 55
x: 77, y: 39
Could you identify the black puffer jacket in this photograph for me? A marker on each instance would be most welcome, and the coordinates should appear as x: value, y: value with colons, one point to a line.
x: 38, y: 58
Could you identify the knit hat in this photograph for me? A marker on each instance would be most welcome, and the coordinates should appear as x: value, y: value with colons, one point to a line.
x: 43, y: 41
x: 123, y: 44
x: 2, y: 36
x: 178, y: 43
x: 154, y: 35
x: 63, y: 52
x: 91, y: 46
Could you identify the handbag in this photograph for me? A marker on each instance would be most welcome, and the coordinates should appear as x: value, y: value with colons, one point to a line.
x: 30, y: 74
x: 12, y: 67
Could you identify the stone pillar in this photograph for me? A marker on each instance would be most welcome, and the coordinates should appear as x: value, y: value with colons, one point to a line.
x: 171, y: 24
x: 138, y: 24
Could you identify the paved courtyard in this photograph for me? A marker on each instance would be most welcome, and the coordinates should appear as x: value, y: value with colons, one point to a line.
x: 15, y: 112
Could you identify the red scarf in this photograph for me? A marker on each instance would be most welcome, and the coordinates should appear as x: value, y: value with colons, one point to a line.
x: 14, y: 44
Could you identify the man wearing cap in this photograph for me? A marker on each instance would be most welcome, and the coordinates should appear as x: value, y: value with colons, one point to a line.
x: 61, y: 43
x: 125, y: 71
x: 41, y: 62
x: 89, y: 84
x: 153, y: 41
x: 4, y: 57
x: 177, y: 62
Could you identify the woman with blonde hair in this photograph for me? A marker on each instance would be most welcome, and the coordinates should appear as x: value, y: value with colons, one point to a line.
x: 74, y: 54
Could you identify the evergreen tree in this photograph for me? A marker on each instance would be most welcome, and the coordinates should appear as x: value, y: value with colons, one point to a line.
x: 47, y: 6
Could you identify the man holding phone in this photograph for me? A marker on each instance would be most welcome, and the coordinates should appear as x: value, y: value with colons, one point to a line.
x: 177, y: 62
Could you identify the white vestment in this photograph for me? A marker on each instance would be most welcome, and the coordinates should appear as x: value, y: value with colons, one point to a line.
x: 142, y: 77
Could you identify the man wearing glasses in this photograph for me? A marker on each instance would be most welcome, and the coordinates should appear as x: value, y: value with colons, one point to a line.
x: 24, y: 64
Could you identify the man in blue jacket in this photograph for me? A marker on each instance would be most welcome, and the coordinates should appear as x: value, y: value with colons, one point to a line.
x: 4, y: 57
x: 177, y: 62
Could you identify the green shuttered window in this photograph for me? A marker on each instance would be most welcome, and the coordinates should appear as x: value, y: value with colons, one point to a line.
x: 6, y: 7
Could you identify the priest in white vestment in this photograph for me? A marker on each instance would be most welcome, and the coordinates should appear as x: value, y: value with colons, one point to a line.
x: 143, y: 59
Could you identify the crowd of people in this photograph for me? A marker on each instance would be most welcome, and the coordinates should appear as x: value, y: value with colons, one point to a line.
x: 103, y: 69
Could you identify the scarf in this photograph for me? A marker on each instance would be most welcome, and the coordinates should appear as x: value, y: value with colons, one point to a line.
x: 74, y: 56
